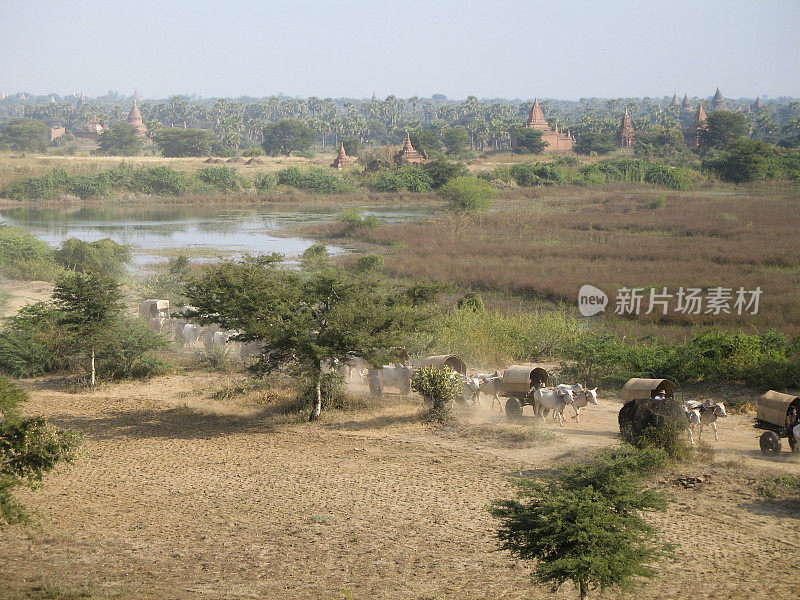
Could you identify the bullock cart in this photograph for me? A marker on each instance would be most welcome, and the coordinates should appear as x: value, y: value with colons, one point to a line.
x: 154, y: 309
x: 774, y: 416
x: 442, y: 361
x: 642, y: 389
x: 519, y: 384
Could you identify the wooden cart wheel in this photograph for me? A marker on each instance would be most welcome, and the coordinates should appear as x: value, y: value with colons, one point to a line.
x: 513, y: 408
x: 770, y: 442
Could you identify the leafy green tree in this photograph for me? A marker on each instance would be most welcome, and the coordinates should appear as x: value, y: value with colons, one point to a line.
x: 425, y: 139
x: 303, y: 319
x: 722, y: 128
x: 286, y: 136
x: 594, y: 143
x: 352, y: 145
x: 120, y: 140
x: 90, y: 304
x: 456, y: 139
x: 585, y: 525
x: 183, y: 142
x: 660, y: 142
x: 30, y: 447
x: 25, y: 135
x: 441, y: 170
x: 746, y: 160
x: 528, y: 141
x: 104, y: 255
x: 467, y: 195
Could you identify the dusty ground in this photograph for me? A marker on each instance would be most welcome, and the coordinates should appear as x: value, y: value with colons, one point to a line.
x: 182, y: 496
x: 17, y: 294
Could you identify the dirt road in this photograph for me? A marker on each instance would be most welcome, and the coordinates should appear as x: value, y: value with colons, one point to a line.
x: 182, y: 496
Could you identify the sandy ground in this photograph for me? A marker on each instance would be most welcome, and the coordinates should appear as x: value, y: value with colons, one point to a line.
x: 20, y: 293
x: 182, y: 496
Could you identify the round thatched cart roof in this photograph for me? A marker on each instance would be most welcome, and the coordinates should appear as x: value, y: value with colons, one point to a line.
x: 441, y: 361
x: 152, y: 307
x: 774, y: 407
x: 519, y: 379
x: 639, y: 389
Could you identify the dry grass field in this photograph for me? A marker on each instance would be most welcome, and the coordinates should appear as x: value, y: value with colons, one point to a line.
x: 186, y: 491
x: 549, y: 244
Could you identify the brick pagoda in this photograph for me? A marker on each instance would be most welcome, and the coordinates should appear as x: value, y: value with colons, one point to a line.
x: 341, y: 160
x: 555, y: 139
x: 626, y: 135
x: 408, y: 155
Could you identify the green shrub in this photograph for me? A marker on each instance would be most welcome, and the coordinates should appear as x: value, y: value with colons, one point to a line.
x: 24, y: 256
x: 354, y: 219
x: 159, y: 180
x: 370, y: 263
x: 316, y: 179
x: 672, y: 177
x: 104, y: 255
x: 467, y: 195
x: 440, y: 387
x: 42, y: 187
x: 265, y: 182
x: 472, y: 301
x: 33, y: 342
x: 89, y: 186
x: 315, y: 257
x: 226, y: 179
x: 127, y: 353
x: 407, y: 178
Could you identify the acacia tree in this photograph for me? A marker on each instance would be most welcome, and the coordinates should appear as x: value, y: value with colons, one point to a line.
x: 30, y: 447
x: 91, y: 304
x: 25, y: 135
x: 303, y: 319
x: 286, y: 136
x: 585, y: 525
x: 120, y: 140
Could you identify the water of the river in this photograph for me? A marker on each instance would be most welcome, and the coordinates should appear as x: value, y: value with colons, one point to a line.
x: 204, y: 233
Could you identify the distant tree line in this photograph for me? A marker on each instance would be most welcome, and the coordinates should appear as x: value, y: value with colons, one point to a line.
x: 471, y: 125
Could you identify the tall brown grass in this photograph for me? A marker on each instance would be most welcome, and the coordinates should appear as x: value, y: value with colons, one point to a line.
x: 547, y: 247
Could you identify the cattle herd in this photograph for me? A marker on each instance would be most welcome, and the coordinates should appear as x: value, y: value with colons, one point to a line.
x: 545, y: 400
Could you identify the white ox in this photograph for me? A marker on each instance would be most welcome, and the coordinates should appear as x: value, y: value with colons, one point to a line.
x: 554, y: 399
x: 398, y: 376
x: 190, y: 334
x: 703, y: 414
x: 359, y: 366
x: 472, y: 390
x: 491, y: 385
x: 582, y: 397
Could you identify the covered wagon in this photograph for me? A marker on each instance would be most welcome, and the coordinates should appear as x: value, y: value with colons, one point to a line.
x: 154, y: 309
x: 776, y: 413
x: 642, y: 389
x: 519, y: 383
x: 442, y: 361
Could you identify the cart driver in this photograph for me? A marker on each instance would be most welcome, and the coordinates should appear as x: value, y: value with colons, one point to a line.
x: 794, y: 423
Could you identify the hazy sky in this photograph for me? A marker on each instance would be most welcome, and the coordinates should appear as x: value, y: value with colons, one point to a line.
x: 495, y: 48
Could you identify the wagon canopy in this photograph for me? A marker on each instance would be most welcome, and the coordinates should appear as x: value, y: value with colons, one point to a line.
x: 640, y: 389
x: 521, y: 380
x: 441, y: 361
x: 774, y: 407
x: 154, y: 308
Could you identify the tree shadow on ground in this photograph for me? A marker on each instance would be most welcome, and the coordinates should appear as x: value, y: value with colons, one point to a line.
x: 785, y: 509
x: 173, y: 423
x: 379, y: 422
